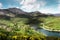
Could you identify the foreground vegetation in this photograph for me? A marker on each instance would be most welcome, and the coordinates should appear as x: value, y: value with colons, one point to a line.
x: 20, y: 29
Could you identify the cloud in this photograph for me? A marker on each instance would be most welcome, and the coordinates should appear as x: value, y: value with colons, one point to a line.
x: 58, y: 8
x: 0, y: 5
x: 38, y: 5
x: 31, y: 5
x: 26, y: 2
x: 49, y: 10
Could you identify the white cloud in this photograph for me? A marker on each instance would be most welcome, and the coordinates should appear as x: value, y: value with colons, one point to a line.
x: 34, y: 5
x: 58, y: 8
x: 26, y: 2
x: 49, y: 10
x: 31, y: 5
x: 43, y: 3
x: 0, y: 5
x: 17, y: 7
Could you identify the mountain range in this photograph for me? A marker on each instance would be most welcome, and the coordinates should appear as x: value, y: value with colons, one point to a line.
x: 15, y: 12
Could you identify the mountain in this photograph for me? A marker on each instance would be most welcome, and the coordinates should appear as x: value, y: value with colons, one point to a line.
x: 39, y: 14
x: 12, y: 12
x: 15, y: 12
x: 58, y: 14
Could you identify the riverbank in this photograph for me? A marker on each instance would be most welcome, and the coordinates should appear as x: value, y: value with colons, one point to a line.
x: 50, y: 29
x: 51, y: 24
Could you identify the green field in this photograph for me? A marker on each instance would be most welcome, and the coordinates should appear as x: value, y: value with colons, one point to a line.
x: 52, y: 23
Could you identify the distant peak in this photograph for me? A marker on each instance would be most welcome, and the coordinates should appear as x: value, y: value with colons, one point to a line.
x: 37, y: 12
x: 13, y: 8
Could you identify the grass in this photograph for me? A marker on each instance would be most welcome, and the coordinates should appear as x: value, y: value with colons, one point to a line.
x: 16, y: 28
x: 52, y: 23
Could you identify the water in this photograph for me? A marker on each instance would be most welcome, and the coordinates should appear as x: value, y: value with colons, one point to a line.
x: 46, y: 32
x: 49, y: 33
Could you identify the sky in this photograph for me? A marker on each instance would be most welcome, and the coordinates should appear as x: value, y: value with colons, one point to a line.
x: 44, y: 6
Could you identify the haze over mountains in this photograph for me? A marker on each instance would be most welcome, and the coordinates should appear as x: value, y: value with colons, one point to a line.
x: 14, y: 12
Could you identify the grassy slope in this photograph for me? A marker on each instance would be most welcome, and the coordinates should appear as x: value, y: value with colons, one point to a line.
x: 16, y: 27
x: 52, y: 23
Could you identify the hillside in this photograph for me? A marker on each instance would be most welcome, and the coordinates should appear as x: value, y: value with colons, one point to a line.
x: 15, y: 12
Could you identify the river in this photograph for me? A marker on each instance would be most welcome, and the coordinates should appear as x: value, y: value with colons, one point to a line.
x: 46, y: 32
x: 49, y: 33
